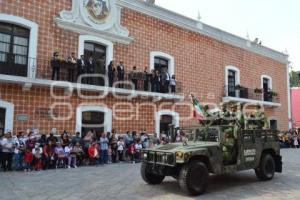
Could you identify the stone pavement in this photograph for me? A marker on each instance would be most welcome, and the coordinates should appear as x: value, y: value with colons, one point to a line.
x: 123, y: 181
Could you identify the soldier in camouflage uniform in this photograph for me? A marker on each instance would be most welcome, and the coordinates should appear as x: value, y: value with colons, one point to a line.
x: 228, y: 147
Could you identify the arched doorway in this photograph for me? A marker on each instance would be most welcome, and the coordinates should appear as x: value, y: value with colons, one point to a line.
x: 93, y: 117
x: 164, y: 118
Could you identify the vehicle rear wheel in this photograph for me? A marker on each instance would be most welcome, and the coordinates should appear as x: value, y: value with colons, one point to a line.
x: 149, y: 177
x: 193, y: 178
x: 266, y: 169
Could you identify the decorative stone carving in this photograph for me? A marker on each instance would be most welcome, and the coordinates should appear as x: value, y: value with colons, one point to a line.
x: 101, y: 18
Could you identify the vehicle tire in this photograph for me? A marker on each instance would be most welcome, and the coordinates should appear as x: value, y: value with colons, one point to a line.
x: 149, y: 177
x: 266, y: 168
x: 193, y: 178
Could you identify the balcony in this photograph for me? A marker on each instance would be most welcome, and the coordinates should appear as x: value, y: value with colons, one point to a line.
x: 132, y: 85
x: 249, y: 95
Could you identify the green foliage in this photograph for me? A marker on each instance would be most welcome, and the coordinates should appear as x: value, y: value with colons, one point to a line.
x: 295, y: 79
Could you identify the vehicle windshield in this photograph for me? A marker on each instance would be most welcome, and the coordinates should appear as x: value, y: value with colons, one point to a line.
x: 202, y: 134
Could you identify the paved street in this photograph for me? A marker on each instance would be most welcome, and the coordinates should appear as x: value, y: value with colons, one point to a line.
x: 122, y: 181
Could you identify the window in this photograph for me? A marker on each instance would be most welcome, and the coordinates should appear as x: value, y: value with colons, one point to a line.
x: 232, y: 79
x: 160, y: 64
x: 266, y: 85
x: 14, y: 46
x: 273, y: 124
x: 160, y: 60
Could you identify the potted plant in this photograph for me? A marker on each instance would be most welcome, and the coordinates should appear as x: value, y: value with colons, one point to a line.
x: 258, y: 91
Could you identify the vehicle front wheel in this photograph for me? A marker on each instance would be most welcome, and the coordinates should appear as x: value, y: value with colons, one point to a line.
x: 266, y: 169
x: 193, y: 178
x: 149, y: 177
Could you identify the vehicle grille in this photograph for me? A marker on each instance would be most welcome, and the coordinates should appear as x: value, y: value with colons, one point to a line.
x: 161, y: 158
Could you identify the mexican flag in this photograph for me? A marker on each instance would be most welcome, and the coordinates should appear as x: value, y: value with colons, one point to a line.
x: 198, y: 110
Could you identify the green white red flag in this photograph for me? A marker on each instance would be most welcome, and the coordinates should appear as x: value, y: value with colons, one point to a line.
x: 198, y: 109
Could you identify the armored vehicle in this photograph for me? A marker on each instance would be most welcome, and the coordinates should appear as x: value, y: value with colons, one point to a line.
x: 212, y: 150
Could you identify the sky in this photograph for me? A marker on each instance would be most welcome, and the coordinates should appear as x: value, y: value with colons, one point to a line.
x: 275, y: 22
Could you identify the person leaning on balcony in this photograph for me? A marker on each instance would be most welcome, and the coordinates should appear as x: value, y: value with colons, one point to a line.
x: 173, y: 84
x: 81, y: 67
x: 133, y: 77
x: 72, y: 61
x: 90, y: 69
x: 121, y: 72
x: 55, y: 64
x: 111, y: 73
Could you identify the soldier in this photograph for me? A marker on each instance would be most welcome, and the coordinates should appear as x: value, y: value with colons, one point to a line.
x: 224, y: 114
x: 261, y: 121
x: 228, y: 149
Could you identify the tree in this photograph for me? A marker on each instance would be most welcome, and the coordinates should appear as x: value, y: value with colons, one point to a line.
x: 295, y: 79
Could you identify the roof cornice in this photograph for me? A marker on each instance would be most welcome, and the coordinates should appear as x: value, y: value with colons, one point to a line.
x: 201, y: 28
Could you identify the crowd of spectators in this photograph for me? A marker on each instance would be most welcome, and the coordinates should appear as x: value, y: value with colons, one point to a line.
x: 290, y: 139
x: 27, y: 151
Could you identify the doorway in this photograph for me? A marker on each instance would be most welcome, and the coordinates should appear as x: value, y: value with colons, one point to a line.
x: 165, y: 121
x: 98, y: 53
x: 2, y: 120
x: 92, y: 121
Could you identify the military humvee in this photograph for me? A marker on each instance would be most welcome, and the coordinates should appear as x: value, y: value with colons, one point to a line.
x: 191, y: 161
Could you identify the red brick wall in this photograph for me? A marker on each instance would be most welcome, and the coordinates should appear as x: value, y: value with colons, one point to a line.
x: 199, y: 61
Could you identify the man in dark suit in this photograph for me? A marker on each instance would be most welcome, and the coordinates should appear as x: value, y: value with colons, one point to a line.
x: 90, y: 69
x: 121, y: 72
x: 55, y: 64
x: 81, y: 67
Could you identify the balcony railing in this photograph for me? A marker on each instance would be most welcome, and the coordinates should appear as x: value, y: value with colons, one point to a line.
x: 133, y: 80
x: 257, y: 94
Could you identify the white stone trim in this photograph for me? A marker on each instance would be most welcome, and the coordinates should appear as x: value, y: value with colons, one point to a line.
x: 9, y: 115
x: 290, y: 125
x: 171, y: 61
x: 237, y: 77
x: 90, y: 38
x: 267, y: 77
x: 98, y: 108
x: 199, y: 27
x: 33, y: 39
x: 175, y: 119
x: 251, y: 101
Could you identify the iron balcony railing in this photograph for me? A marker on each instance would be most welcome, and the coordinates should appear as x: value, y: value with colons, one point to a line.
x: 258, y: 94
x: 132, y: 80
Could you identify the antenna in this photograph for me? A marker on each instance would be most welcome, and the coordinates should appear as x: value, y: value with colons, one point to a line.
x: 199, y: 16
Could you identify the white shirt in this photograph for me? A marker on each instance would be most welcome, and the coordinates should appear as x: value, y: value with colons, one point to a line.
x: 138, y: 146
x: 120, y: 146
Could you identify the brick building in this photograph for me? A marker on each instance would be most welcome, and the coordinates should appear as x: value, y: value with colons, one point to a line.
x: 214, y: 65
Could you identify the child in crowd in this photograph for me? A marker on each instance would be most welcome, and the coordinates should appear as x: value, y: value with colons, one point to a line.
x: 67, y: 150
x: 121, y: 146
x: 109, y: 154
x: 94, y: 153
x: 28, y: 158
x: 60, y: 155
x: 138, y: 148
x: 72, y: 157
x: 131, y: 152
x: 37, y: 157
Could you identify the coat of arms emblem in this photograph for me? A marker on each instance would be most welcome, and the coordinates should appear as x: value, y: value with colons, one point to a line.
x: 98, y: 10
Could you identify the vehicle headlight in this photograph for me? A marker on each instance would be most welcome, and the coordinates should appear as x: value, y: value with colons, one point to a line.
x: 145, y: 155
x: 179, y: 154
